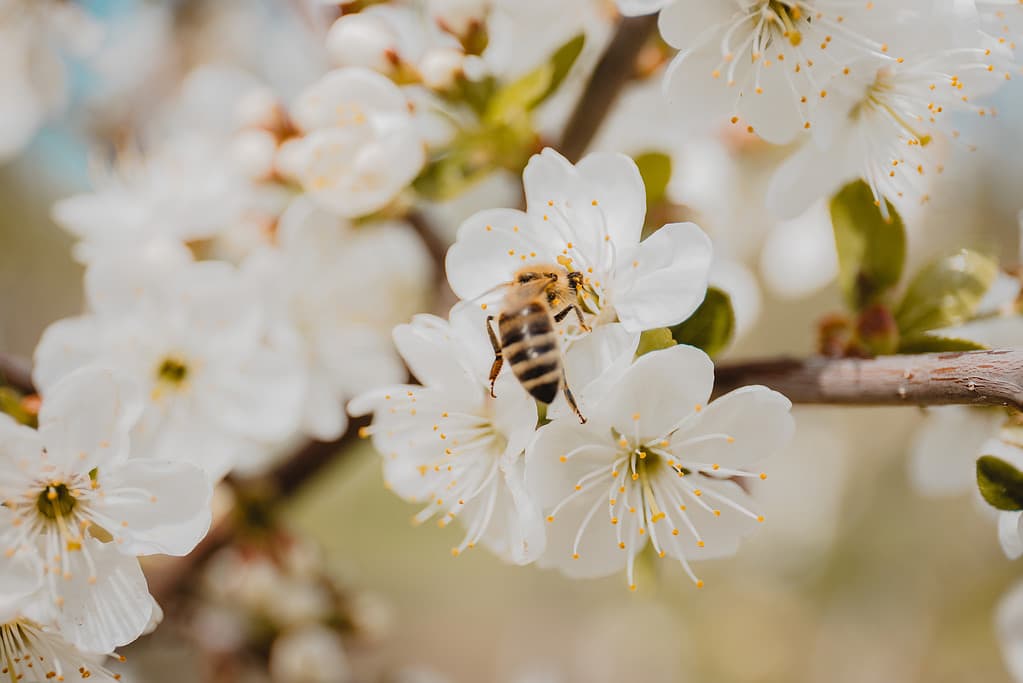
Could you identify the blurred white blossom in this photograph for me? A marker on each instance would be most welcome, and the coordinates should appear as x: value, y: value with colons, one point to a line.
x: 194, y: 336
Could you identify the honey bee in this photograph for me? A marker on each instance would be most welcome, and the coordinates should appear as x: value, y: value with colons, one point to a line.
x: 538, y: 297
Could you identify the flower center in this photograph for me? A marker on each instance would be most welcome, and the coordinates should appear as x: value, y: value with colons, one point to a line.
x: 56, y: 500
x: 172, y: 371
x: 787, y: 16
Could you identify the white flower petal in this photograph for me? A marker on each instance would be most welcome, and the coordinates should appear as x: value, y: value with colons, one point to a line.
x: 156, y: 507
x: 67, y: 345
x: 756, y: 419
x: 945, y: 448
x: 614, y: 182
x: 525, y: 535
x: 108, y: 608
x: 721, y: 534
x: 1010, y: 533
x: 592, y: 364
x: 562, y: 453
x: 598, y: 551
x: 261, y: 398
x: 489, y: 250
x: 658, y: 388
x: 665, y: 279
x: 85, y: 417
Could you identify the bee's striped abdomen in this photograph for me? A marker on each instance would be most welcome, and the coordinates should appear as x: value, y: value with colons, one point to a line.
x: 530, y: 345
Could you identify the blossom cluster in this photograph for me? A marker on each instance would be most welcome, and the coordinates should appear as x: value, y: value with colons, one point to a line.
x: 867, y: 89
x: 642, y: 453
x: 251, y: 260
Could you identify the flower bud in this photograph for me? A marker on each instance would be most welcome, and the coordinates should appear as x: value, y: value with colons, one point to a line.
x: 258, y: 108
x: 877, y: 330
x: 363, y: 40
x: 459, y: 17
x: 311, y: 654
x: 254, y: 151
x: 441, y: 67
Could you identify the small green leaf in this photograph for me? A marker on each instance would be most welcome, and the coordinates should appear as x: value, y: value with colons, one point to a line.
x: 711, y: 327
x: 655, y: 167
x: 531, y: 89
x: 654, y: 340
x: 871, y: 250
x: 946, y: 292
x: 932, y: 343
x: 11, y: 404
x: 1000, y: 483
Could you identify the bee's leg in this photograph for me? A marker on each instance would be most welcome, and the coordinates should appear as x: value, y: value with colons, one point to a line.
x: 579, y: 315
x: 569, y: 397
x: 558, y: 317
x: 495, y: 369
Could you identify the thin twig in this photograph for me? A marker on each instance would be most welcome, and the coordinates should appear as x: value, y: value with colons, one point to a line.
x: 615, y: 68
x: 169, y: 575
x: 992, y: 378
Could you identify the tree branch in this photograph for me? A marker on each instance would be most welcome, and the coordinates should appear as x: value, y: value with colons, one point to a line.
x: 167, y: 576
x: 16, y: 372
x: 991, y: 378
x: 613, y: 71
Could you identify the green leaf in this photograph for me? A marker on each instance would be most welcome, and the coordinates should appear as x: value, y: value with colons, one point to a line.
x: 946, y: 292
x: 655, y: 167
x: 871, y: 250
x: 11, y: 404
x: 711, y: 327
x: 531, y: 89
x: 932, y: 343
x: 1000, y: 483
x: 654, y: 340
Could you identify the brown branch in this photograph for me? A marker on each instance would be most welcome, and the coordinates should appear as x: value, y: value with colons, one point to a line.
x: 615, y: 68
x: 16, y: 372
x: 991, y: 378
x: 167, y: 576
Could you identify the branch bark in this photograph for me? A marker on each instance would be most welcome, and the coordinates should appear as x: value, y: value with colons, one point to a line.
x: 615, y: 68
x: 991, y: 378
x: 16, y: 372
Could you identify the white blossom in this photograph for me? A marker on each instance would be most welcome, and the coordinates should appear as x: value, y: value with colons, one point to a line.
x: 193, y: 179
x: 450, y: 444
x: 341, y: 289
x: 216, y: 379
x: 32, y: 75
x: 587, y: 218
x: 309, y: 654
x: 656, y: 461
x: 80, y: 509
x: 32, y: 653
x: 360, y: 145
x: 886, y: 122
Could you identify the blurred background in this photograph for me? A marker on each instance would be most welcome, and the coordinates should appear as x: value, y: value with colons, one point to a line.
x: 855, y: 577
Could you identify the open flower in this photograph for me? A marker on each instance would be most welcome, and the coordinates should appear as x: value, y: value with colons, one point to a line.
x: 758, y: 60
x: 587, y: 218
x: 450, y: 444
x: 79, y: 509
x: 360, y: 145
x: 885, y: 122
x: 31, y: 652
x: 655, y: 461
x: 192, y: 335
